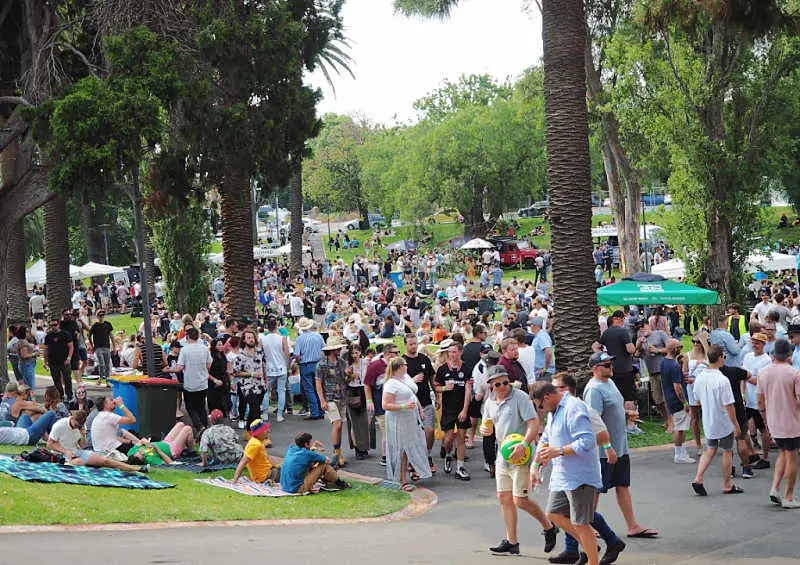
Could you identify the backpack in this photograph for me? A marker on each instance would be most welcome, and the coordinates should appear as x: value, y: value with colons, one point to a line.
x: 41, y: 455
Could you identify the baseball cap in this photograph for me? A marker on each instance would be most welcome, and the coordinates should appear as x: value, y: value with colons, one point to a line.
x: 496, y: 371
x: 216, y: 415
x: 793, y: 329
x: 536, y: 321
x: 599, y: 357
x: 12, y: 386
x: 759, y: 337
x: 257, y: 426
x: 486, y: 348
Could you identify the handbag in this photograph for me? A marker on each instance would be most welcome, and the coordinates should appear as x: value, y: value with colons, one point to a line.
x: 353, y: 397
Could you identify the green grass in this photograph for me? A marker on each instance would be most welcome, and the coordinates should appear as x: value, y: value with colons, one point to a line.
x: 35, y: 503
x: 216, y: 247
x: 655, y: 434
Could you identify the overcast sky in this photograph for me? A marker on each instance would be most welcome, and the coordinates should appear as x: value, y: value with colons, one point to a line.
x: 397, y: 60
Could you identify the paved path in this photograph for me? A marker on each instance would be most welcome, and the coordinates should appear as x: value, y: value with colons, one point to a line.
x: 734, y: 530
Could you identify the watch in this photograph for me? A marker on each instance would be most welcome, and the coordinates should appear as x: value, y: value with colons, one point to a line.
x: 561, y: 451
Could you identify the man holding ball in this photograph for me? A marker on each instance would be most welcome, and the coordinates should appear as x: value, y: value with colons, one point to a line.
x: 508, y: 410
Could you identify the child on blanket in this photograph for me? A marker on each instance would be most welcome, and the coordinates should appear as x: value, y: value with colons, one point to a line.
x: 255, y: 457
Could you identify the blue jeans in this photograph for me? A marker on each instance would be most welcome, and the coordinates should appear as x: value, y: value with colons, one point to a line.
x: 598, y: 523
x: 38, y: 428
x: 28, y: 370
x: 103, y: 356
x: 279, y: 381
x: 307, y: 372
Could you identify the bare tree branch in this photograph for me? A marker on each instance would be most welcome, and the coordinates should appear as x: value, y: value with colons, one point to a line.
x: 16, y: 100
x: 92, y: 68
x: 11, y: 130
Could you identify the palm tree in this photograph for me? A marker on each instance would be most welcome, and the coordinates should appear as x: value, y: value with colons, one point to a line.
x: 15, y: 273
x: 568, y: 169
x: 56, y: 255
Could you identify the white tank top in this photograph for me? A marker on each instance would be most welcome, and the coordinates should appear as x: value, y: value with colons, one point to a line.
x: 273, y: 352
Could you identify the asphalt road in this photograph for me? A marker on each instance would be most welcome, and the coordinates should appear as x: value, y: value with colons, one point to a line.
x: 734, y: 530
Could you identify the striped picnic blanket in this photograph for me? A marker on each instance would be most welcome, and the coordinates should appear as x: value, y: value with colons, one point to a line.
x: 251, y: 488
x: 89, y: 476
x: 192, y: 465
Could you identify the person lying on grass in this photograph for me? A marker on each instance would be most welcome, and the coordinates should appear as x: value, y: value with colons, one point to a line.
x: 255, y: 457
x: 180, y: 437
x: 303, y: 466
x: 68, y: 436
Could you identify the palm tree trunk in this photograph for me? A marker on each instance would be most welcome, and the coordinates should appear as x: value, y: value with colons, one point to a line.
x: 569, y: 180
x: 17, y: 303
x: 56, y: 255
x: 296, y: 210
x: 237, y: 245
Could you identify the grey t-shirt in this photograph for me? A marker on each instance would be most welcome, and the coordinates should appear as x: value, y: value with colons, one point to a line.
x: 607, y: 400
x: 195, y: 358
x: 657, y: 339
x: 510, y: 416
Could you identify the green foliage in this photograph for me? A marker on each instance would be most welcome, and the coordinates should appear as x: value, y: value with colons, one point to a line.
x: 472, y: 90
x: 182, y: 241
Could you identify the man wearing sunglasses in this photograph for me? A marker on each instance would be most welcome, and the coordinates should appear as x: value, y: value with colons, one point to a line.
x: 511, y: 412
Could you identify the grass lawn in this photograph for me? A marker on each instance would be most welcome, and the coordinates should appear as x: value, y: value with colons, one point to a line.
x: 36, y: 503
x: 655, y: 434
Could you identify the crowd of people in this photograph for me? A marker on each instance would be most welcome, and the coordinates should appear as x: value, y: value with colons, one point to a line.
x: 477, y: 360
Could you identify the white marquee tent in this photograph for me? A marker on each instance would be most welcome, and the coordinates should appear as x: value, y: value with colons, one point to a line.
x: 37, y: 273
x: 676, y: 269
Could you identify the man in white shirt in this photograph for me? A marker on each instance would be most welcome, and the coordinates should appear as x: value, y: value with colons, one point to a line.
x: 296, y: 305
x: 753, y: 362
x: 105, y: 428
x: 195, y: 361
x: 713, y: 391
x: 759, y: 313
x: 487, y: 257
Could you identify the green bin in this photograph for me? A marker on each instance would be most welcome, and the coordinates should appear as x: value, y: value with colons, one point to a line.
x: 156, y: 400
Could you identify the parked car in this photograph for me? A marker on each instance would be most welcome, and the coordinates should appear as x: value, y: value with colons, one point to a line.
x: 536, y: 210
x: 313, y: 226
x: 513, y: 251
x: 374, y: 220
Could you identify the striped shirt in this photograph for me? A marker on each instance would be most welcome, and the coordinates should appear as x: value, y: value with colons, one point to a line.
x: 308, y: 347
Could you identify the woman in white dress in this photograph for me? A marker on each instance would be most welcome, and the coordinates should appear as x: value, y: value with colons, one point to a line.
x: 405, y: 437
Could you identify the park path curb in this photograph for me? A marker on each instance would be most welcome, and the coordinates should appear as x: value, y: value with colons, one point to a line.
x: 422, y: 500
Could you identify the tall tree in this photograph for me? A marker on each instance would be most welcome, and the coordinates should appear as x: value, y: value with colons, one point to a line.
x: 568, y: 167
x: 56, y: 256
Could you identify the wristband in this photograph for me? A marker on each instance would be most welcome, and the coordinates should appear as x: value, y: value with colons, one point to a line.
x: 606, y: 447
x: 536, y: 465
x: 370, y: 402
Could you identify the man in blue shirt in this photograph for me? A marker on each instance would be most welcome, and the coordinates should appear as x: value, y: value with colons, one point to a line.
x: 308, y: 352
x: 722, y: 337
x: 303, y: 467
x: 497, y: 276
x: 544, y: 363
x: 794, y: 335
x: 569, y: 442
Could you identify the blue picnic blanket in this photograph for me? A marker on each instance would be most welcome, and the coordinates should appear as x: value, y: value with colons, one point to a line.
x: 192, y: 465
x: 90, y: 476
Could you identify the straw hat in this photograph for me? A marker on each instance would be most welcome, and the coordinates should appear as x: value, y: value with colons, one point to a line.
x: 334, y: 342
x: 304, y: 324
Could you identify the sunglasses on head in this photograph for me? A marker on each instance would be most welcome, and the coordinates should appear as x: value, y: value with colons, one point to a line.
x: 501, y: 383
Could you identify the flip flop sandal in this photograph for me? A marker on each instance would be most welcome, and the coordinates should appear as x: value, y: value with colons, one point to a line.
x: 413, y: 474
x: 699, y: 489
x: 646, y: 533
x: 407, y: 487
x: 733, y: 490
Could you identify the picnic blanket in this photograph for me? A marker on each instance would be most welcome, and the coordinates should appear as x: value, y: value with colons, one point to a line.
x: 90, y: 476
x: 192, y: 465
x: 251, y: 488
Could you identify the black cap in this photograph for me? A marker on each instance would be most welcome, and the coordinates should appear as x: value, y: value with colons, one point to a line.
x: 599, y: 357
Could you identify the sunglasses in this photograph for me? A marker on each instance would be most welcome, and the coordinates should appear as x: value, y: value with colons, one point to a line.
x: 607, y: 364
x: 501, y: 383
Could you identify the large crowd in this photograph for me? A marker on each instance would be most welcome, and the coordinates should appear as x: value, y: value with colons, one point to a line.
x: 477, y: 365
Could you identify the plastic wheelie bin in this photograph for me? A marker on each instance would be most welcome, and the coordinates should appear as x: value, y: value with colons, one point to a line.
x: 156, y: 400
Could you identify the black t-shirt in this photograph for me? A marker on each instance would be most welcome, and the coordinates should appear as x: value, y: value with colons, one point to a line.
x: 453, y: 400
x: 100, y: 333
x: 471, y: 356
x: 57, y: 347
x: 72, y: 328
x: 615, y: 338
x: 319, y: 305
x: 417, y: 365
x: 736, y: 375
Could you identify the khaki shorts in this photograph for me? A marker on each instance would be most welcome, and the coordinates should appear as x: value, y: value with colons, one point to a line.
x: 514, y: 478
x: 681, y: 421
x: 335, y: 411
x: 655, y: 388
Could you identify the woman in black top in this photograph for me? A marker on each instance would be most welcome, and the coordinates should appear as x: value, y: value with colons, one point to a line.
x: 140, y: 359
x: 218, y: 397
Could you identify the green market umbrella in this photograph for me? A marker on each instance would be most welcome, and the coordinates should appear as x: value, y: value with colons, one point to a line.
x: 645, y: 288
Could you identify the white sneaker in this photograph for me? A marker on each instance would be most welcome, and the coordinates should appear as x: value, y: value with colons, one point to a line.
x: 790, y: 503
x: 486, y: 467
x: 685, y: 459
x: 241, y: 424
x: 280, y: 418
x: 774, y: 496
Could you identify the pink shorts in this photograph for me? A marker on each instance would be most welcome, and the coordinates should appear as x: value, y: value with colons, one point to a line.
x: 174, y: 450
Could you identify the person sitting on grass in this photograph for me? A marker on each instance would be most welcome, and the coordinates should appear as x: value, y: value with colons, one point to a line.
x: 68, y: 436
x: 28, y: 432
x: 220, y: 441
x: 255, y: 456
x: 303, y: 466
x: 180, y: 437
